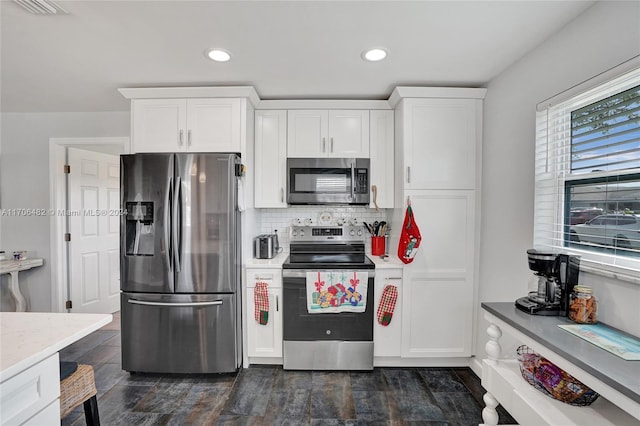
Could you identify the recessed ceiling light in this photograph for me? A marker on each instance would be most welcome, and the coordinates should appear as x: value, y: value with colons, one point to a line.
x: 376, y: 54
x: 217, y: 55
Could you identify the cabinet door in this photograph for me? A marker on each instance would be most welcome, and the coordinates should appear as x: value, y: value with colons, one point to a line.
x: 213, y: 125
x: 382, y: 158
x: 265, y: 340
x: 441, y: 138
x: 307, y: 133
x: 158, y: 125
x: 387, y: 339
x: 438, y: 299
x: 348, y: 133
x: 25, y: 394
x: 270, y: 159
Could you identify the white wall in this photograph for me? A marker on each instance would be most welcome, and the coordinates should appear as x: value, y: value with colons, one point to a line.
x: 602, y: 37
x: 24, y: 183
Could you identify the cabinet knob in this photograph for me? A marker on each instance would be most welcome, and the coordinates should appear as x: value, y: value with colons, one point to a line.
x: 181, y: 137
x: 324, y: 143
x: 189, y: 137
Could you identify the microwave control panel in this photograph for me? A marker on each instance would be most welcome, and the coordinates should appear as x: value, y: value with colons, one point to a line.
x: 361, y: 183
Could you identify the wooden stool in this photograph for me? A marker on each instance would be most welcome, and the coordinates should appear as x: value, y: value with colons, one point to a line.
x: 78, y: 388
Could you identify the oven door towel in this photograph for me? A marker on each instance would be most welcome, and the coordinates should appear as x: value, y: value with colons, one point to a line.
x: 337, y: 291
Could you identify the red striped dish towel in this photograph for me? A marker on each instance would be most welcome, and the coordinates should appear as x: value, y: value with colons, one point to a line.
x: 387, y: 305
x: 261, y: 302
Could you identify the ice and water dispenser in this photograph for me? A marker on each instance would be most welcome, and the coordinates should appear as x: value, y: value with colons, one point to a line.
x: 139, y: 228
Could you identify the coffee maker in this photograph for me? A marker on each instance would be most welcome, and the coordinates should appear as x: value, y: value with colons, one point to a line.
x: 555, y: 275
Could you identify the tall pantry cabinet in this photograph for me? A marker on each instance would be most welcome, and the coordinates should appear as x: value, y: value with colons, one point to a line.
x: 438, y: 170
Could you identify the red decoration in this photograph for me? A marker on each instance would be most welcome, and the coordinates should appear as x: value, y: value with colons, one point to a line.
x: 409, y: 237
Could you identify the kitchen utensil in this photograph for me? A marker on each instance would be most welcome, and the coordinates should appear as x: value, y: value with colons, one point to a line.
x: 369, y: 228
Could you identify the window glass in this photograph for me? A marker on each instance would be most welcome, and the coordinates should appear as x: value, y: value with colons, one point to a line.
x: 587, y: 189
x: 605, y: 140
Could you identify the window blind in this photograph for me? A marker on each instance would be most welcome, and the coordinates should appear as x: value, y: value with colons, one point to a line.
x: 587, y: 163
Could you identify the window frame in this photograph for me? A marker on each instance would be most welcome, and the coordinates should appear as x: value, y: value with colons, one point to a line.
x: 554, y: 179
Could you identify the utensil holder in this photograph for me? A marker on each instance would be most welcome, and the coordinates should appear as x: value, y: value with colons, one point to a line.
x: 377, y: 246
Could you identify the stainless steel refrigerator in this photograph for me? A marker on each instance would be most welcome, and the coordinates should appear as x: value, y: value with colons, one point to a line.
x: 180, y: 263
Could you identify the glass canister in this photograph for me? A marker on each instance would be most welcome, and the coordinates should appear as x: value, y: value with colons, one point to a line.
x: 583, y: 307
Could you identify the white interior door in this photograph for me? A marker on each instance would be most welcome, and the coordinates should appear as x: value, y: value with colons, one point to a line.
x: 94, y: 224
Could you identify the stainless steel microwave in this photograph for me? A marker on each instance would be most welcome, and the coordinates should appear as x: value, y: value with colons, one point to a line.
x: 328, y: 181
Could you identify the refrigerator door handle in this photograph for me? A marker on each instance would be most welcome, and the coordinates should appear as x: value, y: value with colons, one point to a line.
x: 176, y: 304
x: 167, y: 225
x: 176, y: 224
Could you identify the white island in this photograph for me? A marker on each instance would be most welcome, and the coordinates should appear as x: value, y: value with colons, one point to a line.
x: 29, y: 362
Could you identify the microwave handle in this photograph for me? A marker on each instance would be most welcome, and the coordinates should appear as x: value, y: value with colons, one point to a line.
x: 353, y: 181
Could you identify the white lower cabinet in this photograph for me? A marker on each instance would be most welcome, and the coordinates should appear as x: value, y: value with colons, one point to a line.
x: 438, y: 296
x: 32, y: 396
x: 264, y: 342
x: 387, y: 339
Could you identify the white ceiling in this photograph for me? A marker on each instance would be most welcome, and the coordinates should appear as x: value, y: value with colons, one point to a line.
x: 285, y: 49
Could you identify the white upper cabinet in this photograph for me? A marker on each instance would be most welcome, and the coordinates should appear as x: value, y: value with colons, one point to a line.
x: 307, y: 133
x: 157, y: 125
x: 270, y: 159
x: 440, y: 143
x: 348, y: 133
x: 328, y: 133
x: 213, y: 125
x: 382, y: 159
x: 198, y: 125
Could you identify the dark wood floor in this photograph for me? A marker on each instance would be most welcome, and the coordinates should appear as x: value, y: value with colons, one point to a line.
x: 268, y: 395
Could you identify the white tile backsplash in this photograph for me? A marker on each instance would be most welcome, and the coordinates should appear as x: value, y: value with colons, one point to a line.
x: 270, y: 220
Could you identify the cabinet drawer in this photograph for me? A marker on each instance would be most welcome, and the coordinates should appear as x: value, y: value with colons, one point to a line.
x: 272, y: 277
x: 23, y: 395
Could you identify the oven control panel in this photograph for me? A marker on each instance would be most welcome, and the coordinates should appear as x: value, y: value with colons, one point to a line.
x: 327, y: 233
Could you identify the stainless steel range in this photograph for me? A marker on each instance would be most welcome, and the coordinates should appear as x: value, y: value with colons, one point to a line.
x: 326, y: 341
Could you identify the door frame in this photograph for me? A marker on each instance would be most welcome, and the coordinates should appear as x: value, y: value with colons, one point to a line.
x: 58, y: 201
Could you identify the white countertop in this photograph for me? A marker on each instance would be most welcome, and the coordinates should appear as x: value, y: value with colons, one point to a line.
x: 27, y: 338
x: 391, y: 262
x: 275, y: 263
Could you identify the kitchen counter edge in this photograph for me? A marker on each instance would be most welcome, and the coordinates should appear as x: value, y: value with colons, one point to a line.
x: 612, y: 370
x: 30, y: 337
